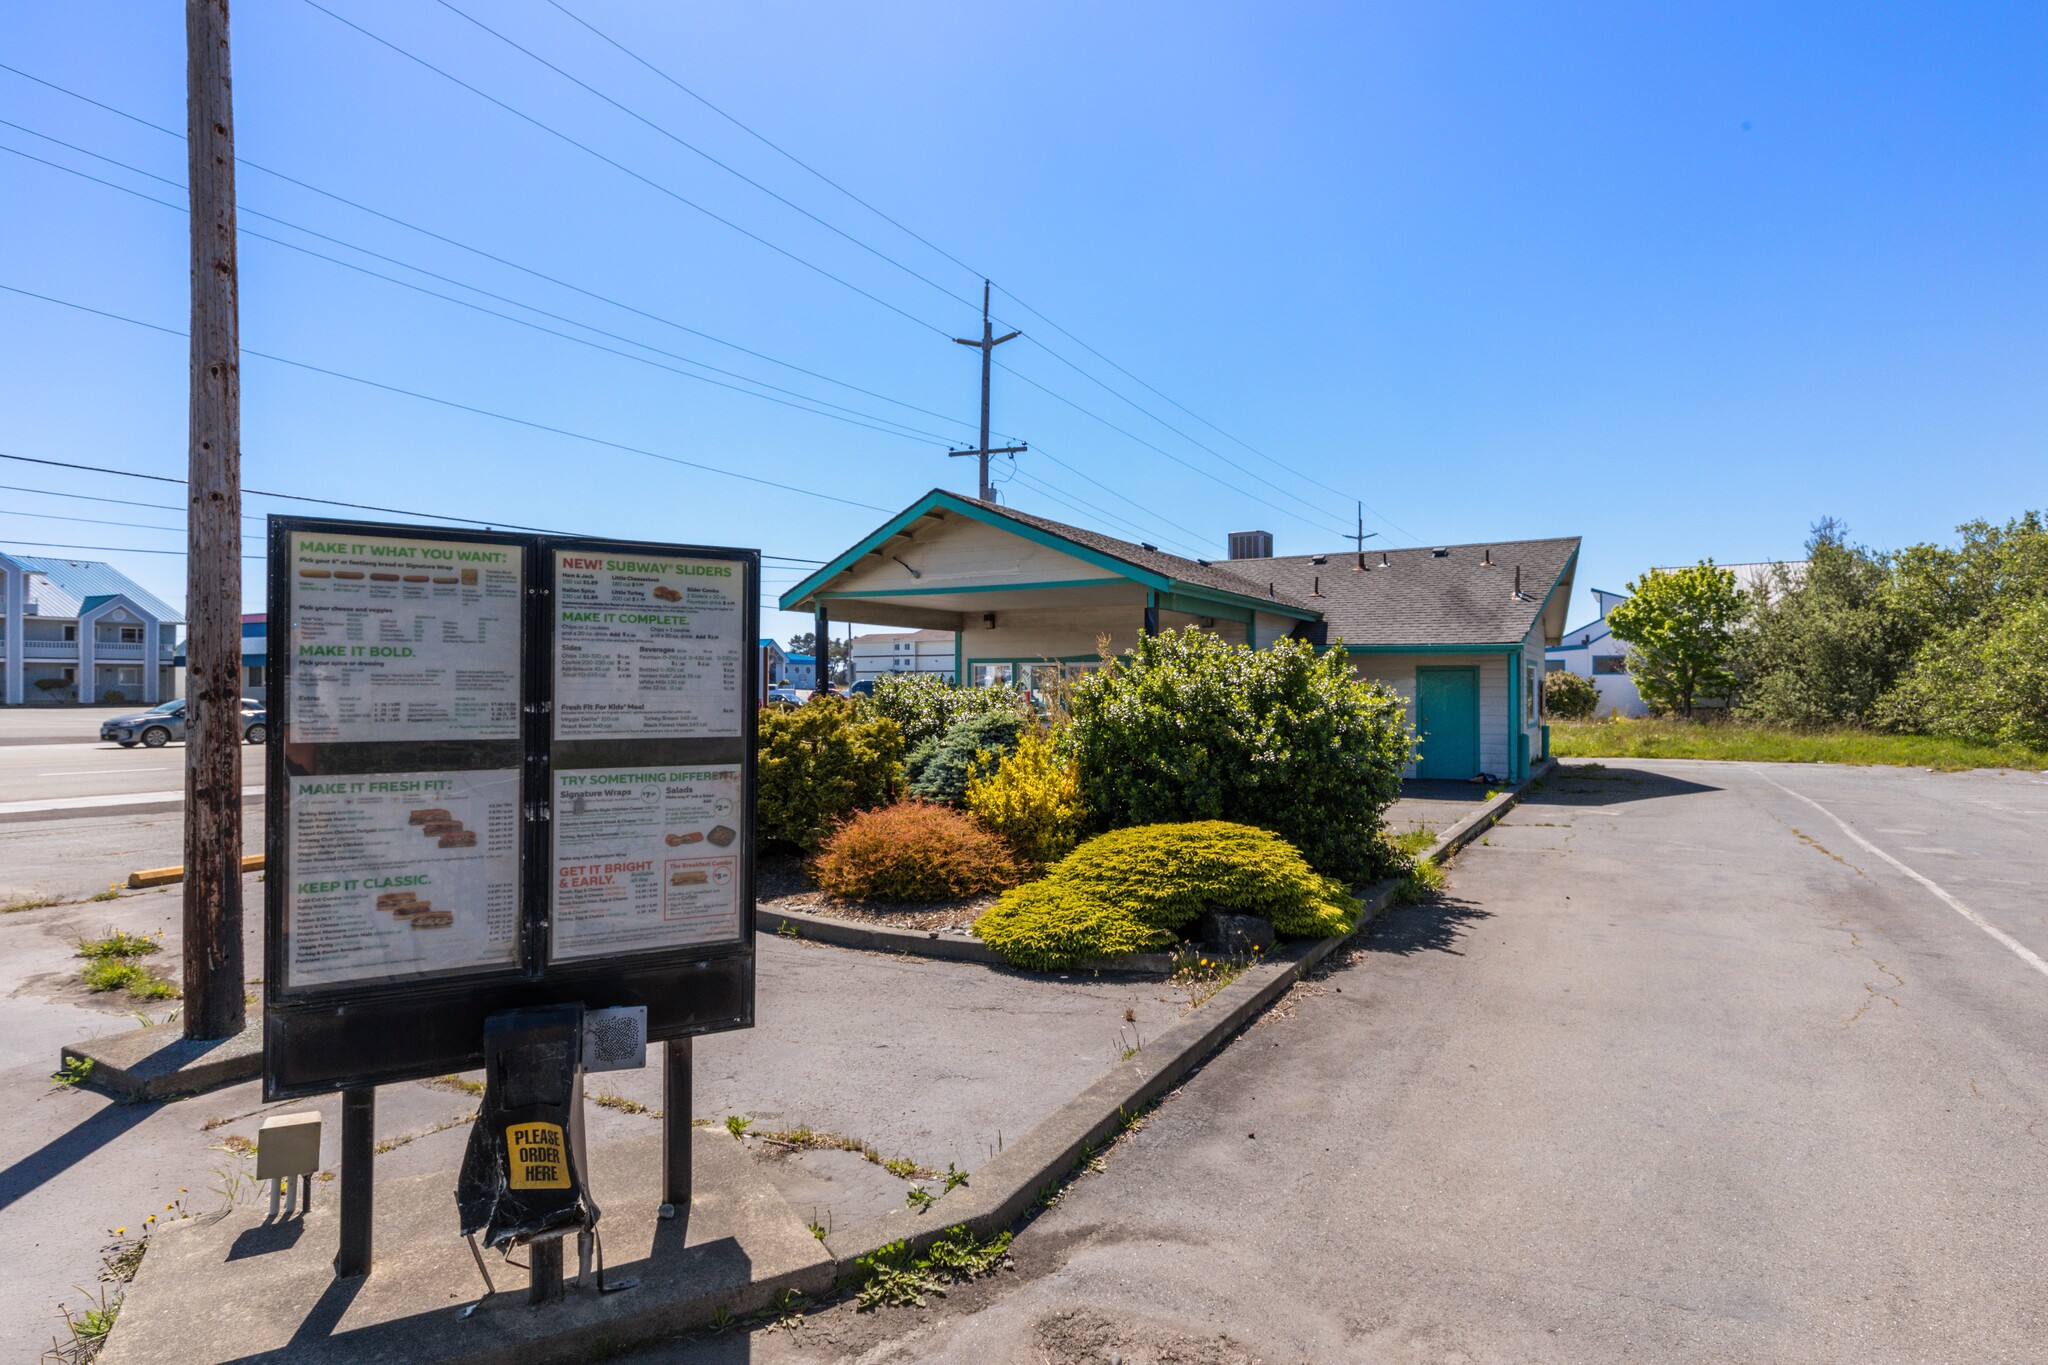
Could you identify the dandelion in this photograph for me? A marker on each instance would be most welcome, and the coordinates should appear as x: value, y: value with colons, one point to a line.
x: 120, y: 1232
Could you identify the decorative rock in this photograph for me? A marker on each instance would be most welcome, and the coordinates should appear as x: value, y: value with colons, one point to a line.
x: 1236, y: 934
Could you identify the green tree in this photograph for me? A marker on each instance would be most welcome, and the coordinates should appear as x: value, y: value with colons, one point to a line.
x: 1679, y: 625
x: 1820, y: 647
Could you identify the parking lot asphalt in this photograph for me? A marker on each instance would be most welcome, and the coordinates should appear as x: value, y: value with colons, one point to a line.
x: 1693, y: 1062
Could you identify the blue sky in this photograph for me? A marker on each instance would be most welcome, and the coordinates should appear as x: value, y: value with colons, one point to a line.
x: 1677, y: 278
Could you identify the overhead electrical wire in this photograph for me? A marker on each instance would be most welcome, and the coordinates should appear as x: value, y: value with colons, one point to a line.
x: 624, y: 169
x: 428, y: 232
x: 922, y: 240
x: 290, y: 497
x: 799, y: 401
x: 463, y: 407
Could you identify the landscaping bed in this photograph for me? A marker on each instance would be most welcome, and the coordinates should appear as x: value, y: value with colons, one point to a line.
x: 784, y: 887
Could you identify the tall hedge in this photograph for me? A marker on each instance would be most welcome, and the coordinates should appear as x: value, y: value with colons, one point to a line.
x: 925, y: 706
x: 820, y: 763
x: 1186, y: 727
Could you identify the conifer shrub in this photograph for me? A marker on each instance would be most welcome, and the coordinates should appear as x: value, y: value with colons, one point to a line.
x: 1030, y: 797
x: 1131, y: 890
x: 938, y: 770
x: 1568, y: 696
x: 913, y: 851
x: 818, y: 764
x: 1186, y: 727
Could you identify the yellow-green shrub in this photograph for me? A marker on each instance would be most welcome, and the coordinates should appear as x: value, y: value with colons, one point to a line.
x: 1131, y: 889
x: 1031, y: 797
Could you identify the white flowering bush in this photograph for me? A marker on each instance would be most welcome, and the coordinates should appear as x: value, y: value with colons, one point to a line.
x: 1186, y: 727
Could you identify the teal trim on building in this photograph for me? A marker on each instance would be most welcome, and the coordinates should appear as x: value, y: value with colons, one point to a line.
x: 1518, y: 742
x: 973, y: 587
x: 939, y: 500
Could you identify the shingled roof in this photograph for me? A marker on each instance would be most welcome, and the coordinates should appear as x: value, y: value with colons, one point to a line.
x: 1190, y: 571
x: 1438, y: 596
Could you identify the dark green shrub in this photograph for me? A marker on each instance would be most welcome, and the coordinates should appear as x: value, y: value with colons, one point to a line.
x: 938, y: 770
x: 1569, y: 696
x: 1133, y: 889
x: 925, y: 706
x: 1186, y: 727
x: 820, y: 763
x: 913, y: 851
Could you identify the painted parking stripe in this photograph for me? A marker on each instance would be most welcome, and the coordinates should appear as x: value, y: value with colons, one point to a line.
x: 2017, y: 948
x: 99, y: 802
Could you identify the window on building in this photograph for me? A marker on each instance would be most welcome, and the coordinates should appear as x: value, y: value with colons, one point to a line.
x: 990, y: 675
x: 131, y: 635
x: 71, y: 632
x: 1610, y: 663
x: 1529, y: 693
x: 1553, y: 665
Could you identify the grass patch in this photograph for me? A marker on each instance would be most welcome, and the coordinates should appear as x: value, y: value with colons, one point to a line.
x: 805, y: 1138
x: 897, y: 1279
x: 1414, y: 842
x: 29, y: 903
x: 1419, y: 883
x: 75, y: 1071
x: 1740, y: 742
x: 611, y: 1099
x: 87, y: 1329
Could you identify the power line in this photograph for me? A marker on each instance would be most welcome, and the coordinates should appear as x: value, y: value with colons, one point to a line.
x: 89, y: 521
x: 1184, y: 408
x: 907, y: 431
x: 691, y: 146
x: 650, y: 66
x: 460, y: 245
x: 428, y: 232
x: 103, y: 549
x: 464, y: 407
x: 289, y: 497
x: 764, y: 141
x: 625, y: 169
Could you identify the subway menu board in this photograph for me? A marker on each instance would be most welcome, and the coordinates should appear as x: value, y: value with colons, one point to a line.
x: 504, y: 770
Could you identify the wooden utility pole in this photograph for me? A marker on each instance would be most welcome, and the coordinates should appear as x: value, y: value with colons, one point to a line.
x: 988, y: 343
x: 213, y: 565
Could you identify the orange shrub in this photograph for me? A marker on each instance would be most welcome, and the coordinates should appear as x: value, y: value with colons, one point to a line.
x: 914, y: 851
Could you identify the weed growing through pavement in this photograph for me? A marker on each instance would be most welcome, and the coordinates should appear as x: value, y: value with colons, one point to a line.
x: 820, y: 1230
x: 1422, y: 881
x: 918, y: 1199
x: 29, y: 903
x: 611, y: 1099
x: 737, y: 1126
x: 112, y: 893
x: 114, y: 963
x: 789, y: 1309
x: 74, y: 1072
x: 804, y: 1138
x: 1203, y: 974
x: 1129, y: 1045
x: 895, y: 1278
x: 467, y: 1087
x: 788, y: 929
x: 955, y: 1178
x: 86, y: 1329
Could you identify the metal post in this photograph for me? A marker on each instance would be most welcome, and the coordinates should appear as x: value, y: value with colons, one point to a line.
x: 544, y: 1269
x: 675, y: 1128
x: 821, y: 650
x: 358, y: 1158
x: 213, y: 565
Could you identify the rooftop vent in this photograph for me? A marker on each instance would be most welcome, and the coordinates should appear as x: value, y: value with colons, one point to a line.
x: 1441, y: 552
x: 1251, y: 544
x: 1319, y: 559
x: 1147, y: 545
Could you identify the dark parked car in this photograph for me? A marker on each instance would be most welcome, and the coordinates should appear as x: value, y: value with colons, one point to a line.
x: 864, y: 688
x: 160, y: 725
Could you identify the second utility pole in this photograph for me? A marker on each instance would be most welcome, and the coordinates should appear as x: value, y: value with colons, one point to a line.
x: 987, y: 345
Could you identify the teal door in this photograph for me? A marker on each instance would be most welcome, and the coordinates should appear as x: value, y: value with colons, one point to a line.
x: 1447, y: 722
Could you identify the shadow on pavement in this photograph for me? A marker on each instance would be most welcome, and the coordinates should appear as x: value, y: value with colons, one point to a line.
x: 1433, y: 926
x: 1442, y: 789
x: 69, y: 1148
x: 1584, y: 782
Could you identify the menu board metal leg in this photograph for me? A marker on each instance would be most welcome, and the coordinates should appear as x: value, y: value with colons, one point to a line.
x: 675, y: 1129
x: 358, y: 1161
x: 544, y: 1269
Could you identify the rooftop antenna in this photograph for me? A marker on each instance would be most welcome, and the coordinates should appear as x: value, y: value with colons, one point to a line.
x: 1358, y: 538
x: 987, y: 345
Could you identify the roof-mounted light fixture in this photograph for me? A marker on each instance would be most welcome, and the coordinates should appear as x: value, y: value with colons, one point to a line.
x: 907, y: 569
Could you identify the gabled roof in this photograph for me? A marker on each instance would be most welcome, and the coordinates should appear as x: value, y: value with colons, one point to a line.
x: 1141, y: 563
x: 67, y: 588
x: 1437, y: 596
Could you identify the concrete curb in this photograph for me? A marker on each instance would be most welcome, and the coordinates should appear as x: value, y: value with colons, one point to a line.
x: 1004, y: 1189
x: 159, y: 1063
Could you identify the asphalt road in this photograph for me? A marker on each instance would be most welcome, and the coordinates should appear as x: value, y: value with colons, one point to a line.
x: 1695, y: 1062
x: 76, y: 814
